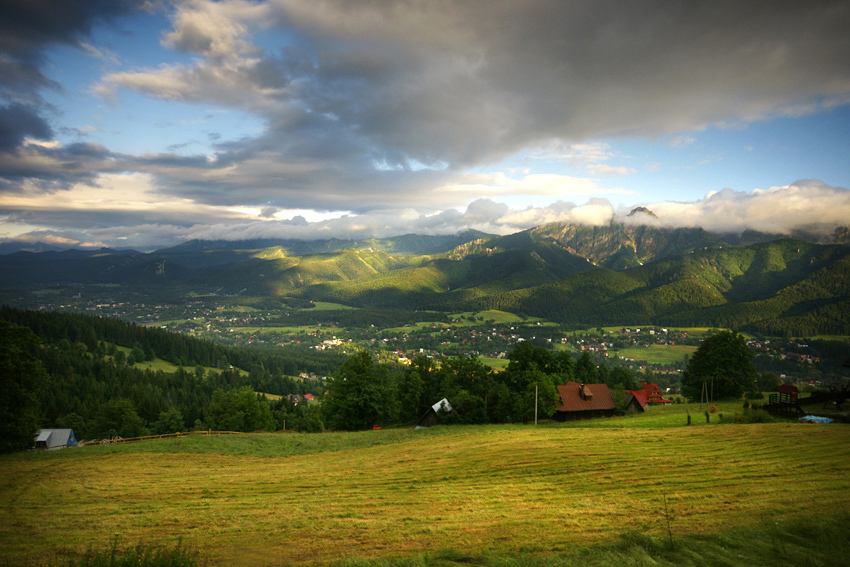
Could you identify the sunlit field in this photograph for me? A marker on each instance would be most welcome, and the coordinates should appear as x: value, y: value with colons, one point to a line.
x: 275, y: 499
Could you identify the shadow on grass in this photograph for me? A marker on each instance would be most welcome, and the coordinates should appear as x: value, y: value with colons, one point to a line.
x: 810, y: 542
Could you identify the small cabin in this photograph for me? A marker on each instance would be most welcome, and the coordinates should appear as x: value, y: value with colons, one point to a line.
x: 54, y: 438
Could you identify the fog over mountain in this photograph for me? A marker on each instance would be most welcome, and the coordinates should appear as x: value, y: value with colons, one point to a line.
x: 807, y: 206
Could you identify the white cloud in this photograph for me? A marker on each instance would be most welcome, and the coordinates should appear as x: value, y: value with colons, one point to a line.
x: 215, y: 29
x: 804, y: 205
x: 603, y: 170
x: 681, y: 141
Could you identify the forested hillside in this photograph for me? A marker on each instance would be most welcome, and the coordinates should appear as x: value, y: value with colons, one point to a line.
x: 569, y: 274
x: 781, y: 287
x: 97, y: 384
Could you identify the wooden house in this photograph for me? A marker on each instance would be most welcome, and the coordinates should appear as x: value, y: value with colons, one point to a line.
x: 632, y: 404
x: 583, y: 401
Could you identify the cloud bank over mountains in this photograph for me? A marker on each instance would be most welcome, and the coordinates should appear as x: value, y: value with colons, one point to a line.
x: 809, y: 206
x: 389, y: 117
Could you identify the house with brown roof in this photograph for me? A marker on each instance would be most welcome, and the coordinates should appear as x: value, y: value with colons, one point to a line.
x: 583, y: 401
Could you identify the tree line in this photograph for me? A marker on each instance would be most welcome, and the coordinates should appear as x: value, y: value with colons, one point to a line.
x: 59, y: 383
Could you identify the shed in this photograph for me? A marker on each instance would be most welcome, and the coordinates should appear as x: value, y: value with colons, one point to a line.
x: 429, y: 418
x: 54, y: 438
x: 633, y: 405
x: 583, y: 401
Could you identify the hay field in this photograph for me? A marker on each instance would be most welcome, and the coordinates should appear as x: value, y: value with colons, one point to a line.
x: 272, y: 499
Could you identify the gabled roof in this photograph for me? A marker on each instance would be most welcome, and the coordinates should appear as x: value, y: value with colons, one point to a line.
x: 628, y: 397
x: 649, y: 393
x: 50, y: 438
x: 584, y: 397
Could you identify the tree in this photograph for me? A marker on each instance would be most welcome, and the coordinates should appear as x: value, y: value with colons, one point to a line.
x: 621, y: 378
x: 360, y: 394
x: 239, y: 410
x: 768, y: 382
x: 410, y: 389
x: 532, y: 375
x: 466, y: 383
x: 585, y: 369
x: 724, y: 363
x: 118, y: 417
x: 170, y: 421
x: 538, y: 388
x: 74, y: 422
x: 22, y: 376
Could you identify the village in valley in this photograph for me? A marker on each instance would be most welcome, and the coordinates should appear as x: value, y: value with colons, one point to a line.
x: 660, y: 351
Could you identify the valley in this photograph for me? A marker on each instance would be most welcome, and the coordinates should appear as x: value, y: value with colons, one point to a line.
x: 565, y: 287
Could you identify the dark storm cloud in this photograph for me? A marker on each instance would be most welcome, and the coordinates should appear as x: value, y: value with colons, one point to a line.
x: 28, y: 27
x: 17, y: 122
x: 472, y: 81
x: 366, y: 92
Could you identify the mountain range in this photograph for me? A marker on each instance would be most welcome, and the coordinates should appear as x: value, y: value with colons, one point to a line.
x: 618, y: 274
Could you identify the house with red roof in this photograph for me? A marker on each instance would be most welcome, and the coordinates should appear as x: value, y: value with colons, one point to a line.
x: 649, y: 394
x: 583, y: 401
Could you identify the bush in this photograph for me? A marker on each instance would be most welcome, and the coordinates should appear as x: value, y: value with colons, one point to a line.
x: 749, y: 416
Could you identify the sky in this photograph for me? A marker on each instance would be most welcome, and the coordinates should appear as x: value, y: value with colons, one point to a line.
x: 146, y: 123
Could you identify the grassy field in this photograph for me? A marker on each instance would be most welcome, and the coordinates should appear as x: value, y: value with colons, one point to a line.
x: 657, y: 354
x: 272, y: 499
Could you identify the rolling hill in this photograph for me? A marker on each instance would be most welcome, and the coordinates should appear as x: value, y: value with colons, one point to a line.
x: 576, y: 274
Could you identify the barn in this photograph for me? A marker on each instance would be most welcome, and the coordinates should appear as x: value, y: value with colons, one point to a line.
x: 584, y: 401
x: 54, y: 438
x: 632, y: 404
x: 429, y: 418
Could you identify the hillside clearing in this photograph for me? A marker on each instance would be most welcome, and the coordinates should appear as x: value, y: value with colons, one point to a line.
x: 272, y: 499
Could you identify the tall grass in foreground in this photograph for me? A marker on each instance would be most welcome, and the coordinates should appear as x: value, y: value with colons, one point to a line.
x: 811, y: 542
x: 819, y: 542
x: 138, y: 556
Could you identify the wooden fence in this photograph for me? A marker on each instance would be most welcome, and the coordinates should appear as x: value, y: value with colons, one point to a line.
x: 118, y: 440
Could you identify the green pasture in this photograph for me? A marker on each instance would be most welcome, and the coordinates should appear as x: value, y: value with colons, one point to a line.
x: 165, y: 366
x: 301, y: 499
x: 498, y: 317
x: 328, y: 306
x: 290, y: 330
x: 495, y: 363
x: 657, y: 354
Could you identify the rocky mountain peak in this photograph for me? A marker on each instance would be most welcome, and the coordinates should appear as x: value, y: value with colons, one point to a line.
x: 643, y: 210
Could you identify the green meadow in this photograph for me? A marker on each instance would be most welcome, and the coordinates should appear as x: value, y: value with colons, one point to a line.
x: 390, y: 496
x: 657, y: 354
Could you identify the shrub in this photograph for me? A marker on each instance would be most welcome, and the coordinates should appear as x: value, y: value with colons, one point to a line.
x: 749, y: 416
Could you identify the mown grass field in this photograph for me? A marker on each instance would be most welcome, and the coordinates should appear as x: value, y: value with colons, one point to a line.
x: 657, y: 354
x: 274, y: 499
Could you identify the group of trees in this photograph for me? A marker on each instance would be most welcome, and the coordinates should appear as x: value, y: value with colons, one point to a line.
x: 722, y: 367
x: 364, y: 392
x: 55, y: 382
